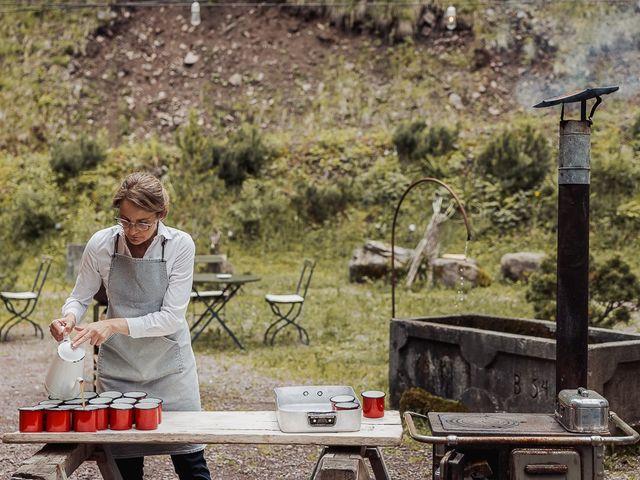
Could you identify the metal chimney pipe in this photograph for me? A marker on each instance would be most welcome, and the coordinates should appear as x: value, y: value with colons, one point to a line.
x: 574, y: 169
x: 572, y: 313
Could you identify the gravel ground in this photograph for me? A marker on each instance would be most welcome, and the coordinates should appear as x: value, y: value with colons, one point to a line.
x: 24, y: 362
x: 224, y: 386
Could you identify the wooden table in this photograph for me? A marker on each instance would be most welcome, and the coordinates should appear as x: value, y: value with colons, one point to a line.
x: 235, y: 427
x: 231, y: 285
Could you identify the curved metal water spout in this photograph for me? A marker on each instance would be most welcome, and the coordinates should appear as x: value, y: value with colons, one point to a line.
x: 393, y: 230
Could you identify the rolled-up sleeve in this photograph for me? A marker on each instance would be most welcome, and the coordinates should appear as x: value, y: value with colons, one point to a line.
x: 171, y: 316
x: 87, y: 283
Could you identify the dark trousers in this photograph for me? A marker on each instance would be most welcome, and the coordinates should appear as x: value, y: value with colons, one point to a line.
x: 190, y: 466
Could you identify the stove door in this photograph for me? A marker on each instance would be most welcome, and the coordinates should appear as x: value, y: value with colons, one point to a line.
x: 544, y: 464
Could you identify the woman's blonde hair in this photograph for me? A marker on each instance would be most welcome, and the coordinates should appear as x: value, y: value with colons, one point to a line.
x: 145, y: 191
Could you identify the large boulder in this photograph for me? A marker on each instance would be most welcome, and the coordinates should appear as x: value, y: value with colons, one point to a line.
x: 373, y: 261
x: 519, y: 266
x: 454, y: 270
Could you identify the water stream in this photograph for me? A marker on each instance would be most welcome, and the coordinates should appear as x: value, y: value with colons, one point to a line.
x: 461, y: 295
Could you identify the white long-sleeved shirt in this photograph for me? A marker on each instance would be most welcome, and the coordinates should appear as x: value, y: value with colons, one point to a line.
x: 179, y: 254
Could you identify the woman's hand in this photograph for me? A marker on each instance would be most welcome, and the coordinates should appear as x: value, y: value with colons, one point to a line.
x: 97, y: 333
x: 62, y: 326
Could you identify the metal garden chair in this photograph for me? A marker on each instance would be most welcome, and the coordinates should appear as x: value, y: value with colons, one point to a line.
x: 21, y: 305
x: 287, y: 308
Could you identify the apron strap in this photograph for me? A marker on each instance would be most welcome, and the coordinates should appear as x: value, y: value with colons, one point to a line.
x: 115, y: 247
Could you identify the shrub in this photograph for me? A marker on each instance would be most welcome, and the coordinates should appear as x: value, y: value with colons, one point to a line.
x: 34, y: 214
x: 541, y: 291
x: 245, y: 154
x: 68, y: 159
x: 263, y: 211
x: 613, y: 288
x: 319, y: 202
x: 495, y: 211
x: 519, y: 159
x: 417, y: 143
x: 612, y: 285
x: 194, y: 145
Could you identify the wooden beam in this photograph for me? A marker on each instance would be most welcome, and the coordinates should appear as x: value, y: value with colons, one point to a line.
x: 53, y: 462
x: 342, y: 466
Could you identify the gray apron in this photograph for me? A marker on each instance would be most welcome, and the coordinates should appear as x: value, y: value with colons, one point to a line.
x: 164, y: 367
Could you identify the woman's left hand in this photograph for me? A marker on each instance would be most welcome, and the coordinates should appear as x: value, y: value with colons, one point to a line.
x: 98, y: 332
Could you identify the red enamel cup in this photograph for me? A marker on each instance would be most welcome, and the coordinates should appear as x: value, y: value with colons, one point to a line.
x: 100, y: 401
x: 373, y: 404
x: 130, y: 401
x: 341, y: 399
x: 31, y: 418
x: 146, y: 416
x: 346, y: 406
x: 102, y: 416
x: 158, y: 402
x: 120, y: 416
x: 50, y: 403
x: 112, y: 394
x: 135, y: 395
x: 84, y: 419
x: 57, y: 419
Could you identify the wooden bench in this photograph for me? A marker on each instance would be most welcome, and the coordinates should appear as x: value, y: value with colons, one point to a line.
x: 342, y: 458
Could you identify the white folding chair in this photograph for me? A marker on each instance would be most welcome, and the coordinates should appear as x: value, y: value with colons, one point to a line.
x: 287, y: 308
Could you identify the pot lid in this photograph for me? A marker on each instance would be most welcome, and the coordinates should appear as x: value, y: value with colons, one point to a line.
x: 69, y: 354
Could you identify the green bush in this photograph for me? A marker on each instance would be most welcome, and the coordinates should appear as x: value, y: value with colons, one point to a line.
x: 541, y: 290
x: 34, y: 214
x: 519, y: 159
x: 494, y: 211
x: 68, y: 159
x: 244, y: 155
x: 383, y: 184
x: 635, y: 133
x: 322, y: 201
x: 614, y: 181
x: 262, y: 211
x: 194, y: 146
x: 417, y: 143
x: 613, y: 289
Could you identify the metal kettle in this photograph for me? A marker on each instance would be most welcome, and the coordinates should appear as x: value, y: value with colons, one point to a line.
x: 63, y: 378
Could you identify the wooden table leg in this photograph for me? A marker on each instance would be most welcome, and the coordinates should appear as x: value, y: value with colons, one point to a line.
x: 54, y: 462
x: 380, y: 472
x: 107, y: 465
x: 341, y: 463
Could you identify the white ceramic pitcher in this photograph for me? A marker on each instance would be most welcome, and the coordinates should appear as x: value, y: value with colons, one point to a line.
x: 65, y: 371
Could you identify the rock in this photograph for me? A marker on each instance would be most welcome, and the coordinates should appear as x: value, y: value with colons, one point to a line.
x: 519, y: 266
x: 373, y: 261
x: 235, y: 79
x: 456, y: 101
x: 494, y: 111
x: 190, y: 58
x: 429, y: 18
x: 454, y: 270
x: 481, y: 57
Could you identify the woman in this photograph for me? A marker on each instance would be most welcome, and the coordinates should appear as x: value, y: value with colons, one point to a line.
x: 144, y: 341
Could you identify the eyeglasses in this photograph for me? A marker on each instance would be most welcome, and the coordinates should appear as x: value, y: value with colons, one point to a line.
x: 126, y: 224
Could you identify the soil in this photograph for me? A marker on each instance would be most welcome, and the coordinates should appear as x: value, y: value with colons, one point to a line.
x: 223, y: 387
x: 133, y: 79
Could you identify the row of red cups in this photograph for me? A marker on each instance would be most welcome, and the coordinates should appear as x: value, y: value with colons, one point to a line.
x: 146, y: 415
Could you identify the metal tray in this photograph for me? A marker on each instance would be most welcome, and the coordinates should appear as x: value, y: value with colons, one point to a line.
x: 302, y: 409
